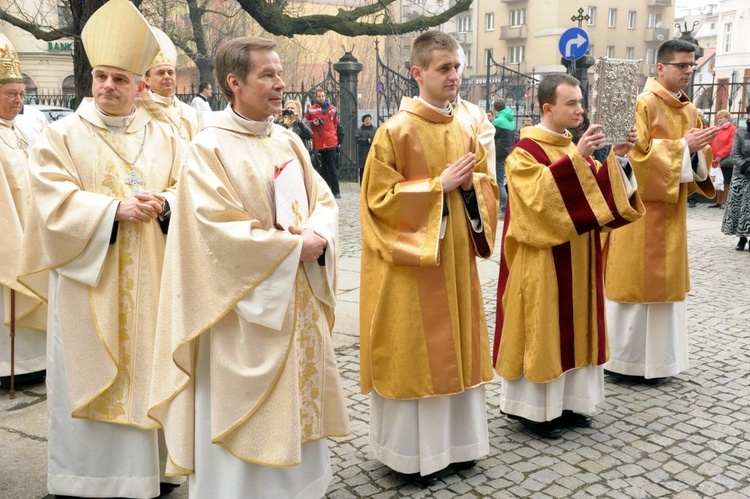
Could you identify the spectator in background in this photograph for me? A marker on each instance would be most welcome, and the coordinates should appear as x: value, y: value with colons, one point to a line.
x: 694, y: 197
x: 323, y: 118
x: 363, y: 137
x: 527, y: 121
x: 200, y: 102
x: 505, y: 125
x: 290, y: 119
x: 737, y: 215
x: 722, y: 148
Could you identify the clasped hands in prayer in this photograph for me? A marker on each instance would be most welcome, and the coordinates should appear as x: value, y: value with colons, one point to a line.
x: 698, y: 138
x: 594, y: 139
x: 144, y: 207
x: 460, y: 173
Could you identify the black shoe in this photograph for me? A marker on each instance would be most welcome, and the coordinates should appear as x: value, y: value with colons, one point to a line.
x: 570, y: 418
x: 166, y: 488
x: 715, y: 205
x: 421, y: 480
x: 463, y: 465
x: 337, y: 196
x: 545, y: 429
x: 741, y: 244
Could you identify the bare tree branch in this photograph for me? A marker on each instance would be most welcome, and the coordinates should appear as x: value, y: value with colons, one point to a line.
x: 38, y: 31
x: 272, y: 16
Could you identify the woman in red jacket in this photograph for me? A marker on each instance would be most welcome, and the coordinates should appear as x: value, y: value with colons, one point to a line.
x: 721, y: 148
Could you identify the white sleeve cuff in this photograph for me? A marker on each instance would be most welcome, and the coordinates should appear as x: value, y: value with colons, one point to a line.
x: 87, y: 268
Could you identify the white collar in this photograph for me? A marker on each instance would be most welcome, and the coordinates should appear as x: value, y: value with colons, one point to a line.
x: 257, y: 128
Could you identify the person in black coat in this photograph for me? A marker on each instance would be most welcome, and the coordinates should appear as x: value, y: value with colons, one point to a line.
x: 363, y: 137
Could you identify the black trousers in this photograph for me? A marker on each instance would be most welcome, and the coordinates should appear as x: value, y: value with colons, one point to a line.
x: 328, y: 169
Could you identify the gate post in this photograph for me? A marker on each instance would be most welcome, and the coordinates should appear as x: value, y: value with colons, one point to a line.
x: 348, y: 67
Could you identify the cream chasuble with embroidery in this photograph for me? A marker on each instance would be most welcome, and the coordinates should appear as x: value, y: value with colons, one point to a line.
x: 15, y: 212
x: 417, y: 280
x: 181, y: 118
x: 231, y: 274
x: 550, y: 312
x: 79, y: 172
x: 647, y: 262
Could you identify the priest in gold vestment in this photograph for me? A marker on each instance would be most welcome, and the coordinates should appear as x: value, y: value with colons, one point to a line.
x: 100, y: 181
x: 428, y: 209
x: 158, y: 98
x: 550, y: 335
x: 247, y: 388
x: 30, y: 311
x: 647, y: 263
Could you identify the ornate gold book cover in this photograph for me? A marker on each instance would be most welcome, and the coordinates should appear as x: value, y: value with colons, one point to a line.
x: 613, y: 94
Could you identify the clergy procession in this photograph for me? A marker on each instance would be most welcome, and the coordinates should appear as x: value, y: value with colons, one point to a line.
x: 176, y: 272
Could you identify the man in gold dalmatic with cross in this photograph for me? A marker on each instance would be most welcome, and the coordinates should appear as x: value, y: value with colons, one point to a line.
x: 102, y: 181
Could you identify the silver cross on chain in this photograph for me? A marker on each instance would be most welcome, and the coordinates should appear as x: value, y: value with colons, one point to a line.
x: 134, y: 181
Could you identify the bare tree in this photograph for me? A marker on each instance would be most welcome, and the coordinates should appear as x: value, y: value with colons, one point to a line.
x: 201, y: 32
x: 373, y: 17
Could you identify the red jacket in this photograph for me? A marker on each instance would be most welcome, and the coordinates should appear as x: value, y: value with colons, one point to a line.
x: 324, y: 136
x: 721, y: 147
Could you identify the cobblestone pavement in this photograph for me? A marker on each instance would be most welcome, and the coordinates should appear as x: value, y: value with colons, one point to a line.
x: 685, y: 438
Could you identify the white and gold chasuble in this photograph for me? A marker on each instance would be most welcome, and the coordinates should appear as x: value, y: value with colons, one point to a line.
x: 179, y: 117
x: 15, y: 209
x: 80, y: 170
x: 229, y: 273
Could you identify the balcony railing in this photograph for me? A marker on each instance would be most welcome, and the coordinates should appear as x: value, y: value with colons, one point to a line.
x: 513, y: 1
x: 659, y: 3
x: 658, y: 35
x: 513, y: 32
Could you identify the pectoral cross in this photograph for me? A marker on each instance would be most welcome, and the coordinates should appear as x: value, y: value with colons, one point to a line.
x: 134, y: 181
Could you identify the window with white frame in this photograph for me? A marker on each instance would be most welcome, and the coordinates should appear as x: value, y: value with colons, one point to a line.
x: 516, y: 54
x: 487, y: 54
x: 727, y: 37
x: 654, y: 20
x: 631, y: 19
x: 590, y: 50
x: 468, y: 57
x: 517, y: 17
x: 612, y: 18
x: 650, y: 56
x: 630, y: 53
x: 463, y: 24
x: 592, y: 17
x: 610, y: 51
x: 489, y: 21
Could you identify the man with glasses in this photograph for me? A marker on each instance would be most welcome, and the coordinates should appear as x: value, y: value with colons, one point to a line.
x: 647, y: 262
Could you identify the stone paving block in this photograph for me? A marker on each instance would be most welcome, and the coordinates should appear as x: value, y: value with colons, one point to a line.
x: 711, y: 488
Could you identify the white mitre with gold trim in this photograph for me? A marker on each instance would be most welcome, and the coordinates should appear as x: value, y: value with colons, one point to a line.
x: 10, y: 67
x: 118, y: 35
x: 167, y: 55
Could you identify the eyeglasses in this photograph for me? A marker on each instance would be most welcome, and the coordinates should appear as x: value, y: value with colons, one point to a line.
x: 683, y: 66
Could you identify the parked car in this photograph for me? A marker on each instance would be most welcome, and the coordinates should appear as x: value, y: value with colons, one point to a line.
x: 52, y: 113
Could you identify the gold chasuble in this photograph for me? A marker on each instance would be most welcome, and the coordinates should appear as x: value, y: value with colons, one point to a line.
x: 274, y: 384
x: 79, y: 171
x: 422, y: 326
x: 550, y: 312
x: 171, y: 112
x: 15, y: 213
x: 647, y: 262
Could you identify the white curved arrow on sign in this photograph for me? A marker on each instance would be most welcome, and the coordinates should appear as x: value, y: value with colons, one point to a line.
x: 574, y: 42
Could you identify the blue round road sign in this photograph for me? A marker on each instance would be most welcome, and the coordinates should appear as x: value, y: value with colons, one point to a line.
x: 574, y: 43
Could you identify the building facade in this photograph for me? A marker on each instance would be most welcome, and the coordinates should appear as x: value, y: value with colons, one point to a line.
x: 47, y: 66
